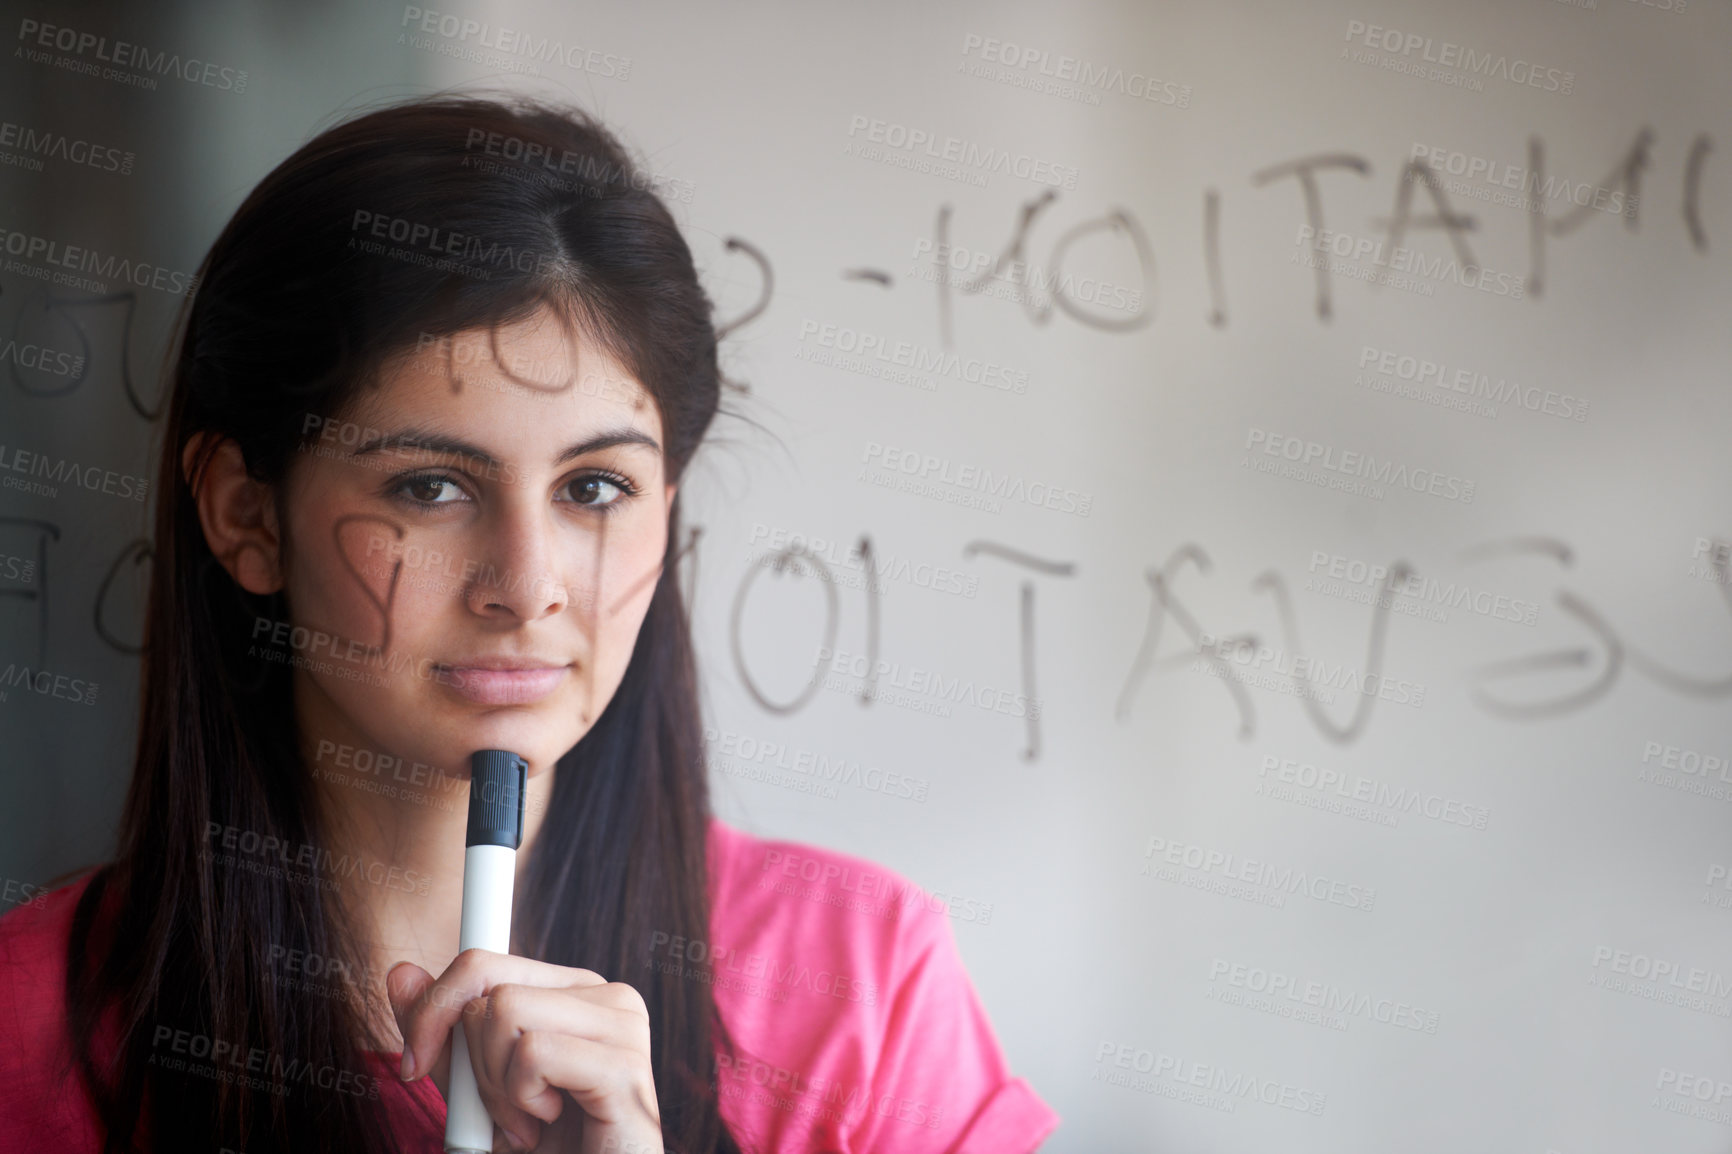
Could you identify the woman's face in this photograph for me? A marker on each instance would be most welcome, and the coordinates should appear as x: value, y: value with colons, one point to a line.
x: 479, y: 554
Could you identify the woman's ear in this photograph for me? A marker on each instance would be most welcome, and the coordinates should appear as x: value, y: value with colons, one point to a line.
x: 238, y: 514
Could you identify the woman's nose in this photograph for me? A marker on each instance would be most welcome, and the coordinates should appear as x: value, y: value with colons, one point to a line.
x: 521, y: 574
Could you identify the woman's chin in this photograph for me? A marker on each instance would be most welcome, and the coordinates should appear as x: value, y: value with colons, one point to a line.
x: 534, y: 740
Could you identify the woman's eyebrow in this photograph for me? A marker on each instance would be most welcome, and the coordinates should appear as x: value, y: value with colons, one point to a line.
x: 436, y: 443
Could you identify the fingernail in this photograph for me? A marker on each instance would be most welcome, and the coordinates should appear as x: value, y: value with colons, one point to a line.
x: 408, y: 1065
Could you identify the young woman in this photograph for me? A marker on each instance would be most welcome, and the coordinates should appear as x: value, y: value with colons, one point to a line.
x: 431, y: 407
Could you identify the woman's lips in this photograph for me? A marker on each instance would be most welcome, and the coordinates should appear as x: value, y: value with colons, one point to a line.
x: 504, y: 686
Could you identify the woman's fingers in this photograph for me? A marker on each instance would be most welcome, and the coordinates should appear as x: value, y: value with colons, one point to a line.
x: 407, y: 984
x: 521, y: 1121
x: 535, y: 1032
x: 614, y: 1086
x: 521, y: 1128
x: 427, y: 1017
x: 611, y: 1014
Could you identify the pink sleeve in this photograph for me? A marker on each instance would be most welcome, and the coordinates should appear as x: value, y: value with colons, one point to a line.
x: 941, y: 1084
x: 43, y: 1103
x: 854, y: 1024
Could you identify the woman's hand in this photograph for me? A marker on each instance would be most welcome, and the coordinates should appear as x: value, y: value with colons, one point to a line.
x: 536, y: 1033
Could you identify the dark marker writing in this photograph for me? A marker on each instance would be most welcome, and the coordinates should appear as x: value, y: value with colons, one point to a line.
x: 1272, y: 580
x: 1026, y: 618
x: 1416, y: 171
x: 383, y: 606
x: 142, y: 553
x: 44, y: 531
x: 782, y: 559
x: 1212, y: 257
x: 765, y: 291
x: 1699, y: 150
x: 863, y: 550
x: 1163, y: 603
x: 1305, y: 169
x: 1626, y: 173
x: 129, y: 303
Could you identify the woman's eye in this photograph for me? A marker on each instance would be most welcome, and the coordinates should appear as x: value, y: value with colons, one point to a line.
x: 596, y: 492
x: 431, y: 490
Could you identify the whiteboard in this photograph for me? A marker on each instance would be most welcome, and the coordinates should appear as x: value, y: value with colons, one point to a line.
x: 1289, y: 450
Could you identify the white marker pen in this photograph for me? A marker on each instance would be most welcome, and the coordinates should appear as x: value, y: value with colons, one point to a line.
x: 497, y: 781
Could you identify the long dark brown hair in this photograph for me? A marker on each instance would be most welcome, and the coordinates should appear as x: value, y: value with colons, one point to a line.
x: 292, y: 317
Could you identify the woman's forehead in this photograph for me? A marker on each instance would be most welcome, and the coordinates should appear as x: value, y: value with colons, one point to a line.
x: 535, y: 373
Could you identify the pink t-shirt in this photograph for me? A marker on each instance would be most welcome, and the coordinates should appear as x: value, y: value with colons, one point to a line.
x: 854, y: 1024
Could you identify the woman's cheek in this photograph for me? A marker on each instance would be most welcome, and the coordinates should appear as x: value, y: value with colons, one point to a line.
x: 354, y: 586
x: 626, y: 593
x: 362, y: 574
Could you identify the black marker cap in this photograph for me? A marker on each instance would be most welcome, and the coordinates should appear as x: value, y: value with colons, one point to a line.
x: 497, y: 782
